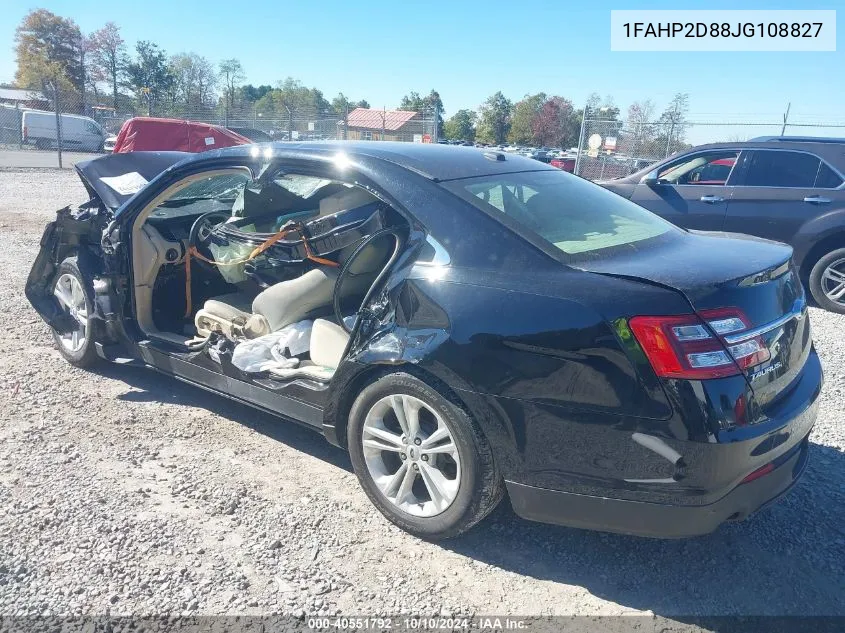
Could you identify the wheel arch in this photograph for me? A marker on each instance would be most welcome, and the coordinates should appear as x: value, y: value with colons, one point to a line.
x: 819, y: 250
x: 492, y: 421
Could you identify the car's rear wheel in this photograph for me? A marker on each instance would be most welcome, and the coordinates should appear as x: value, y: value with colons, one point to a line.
x: 76, y: 345
x: 420, y: 458
x: 827, y: 281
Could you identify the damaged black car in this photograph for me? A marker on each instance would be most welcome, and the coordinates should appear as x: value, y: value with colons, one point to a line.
x: 470, y: 325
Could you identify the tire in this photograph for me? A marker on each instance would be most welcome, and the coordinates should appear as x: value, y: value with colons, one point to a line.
x: 78, y: 349
x: 477, y: 486
x: 823, y: 282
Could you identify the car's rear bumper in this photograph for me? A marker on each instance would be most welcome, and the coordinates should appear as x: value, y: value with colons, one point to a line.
x: 656, y: 519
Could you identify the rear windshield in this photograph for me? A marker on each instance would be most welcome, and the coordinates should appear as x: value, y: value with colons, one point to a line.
x: 573, y: 214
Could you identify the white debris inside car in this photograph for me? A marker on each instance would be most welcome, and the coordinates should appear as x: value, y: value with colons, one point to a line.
x: 247, y: 271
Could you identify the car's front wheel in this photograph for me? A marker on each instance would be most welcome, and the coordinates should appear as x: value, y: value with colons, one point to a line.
x: 69, y: 288
x: 827, y: 281
x: 420, y: 458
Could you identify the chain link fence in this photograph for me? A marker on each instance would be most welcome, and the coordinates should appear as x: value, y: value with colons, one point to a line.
x: 50, y: 132
x: 610, y: 149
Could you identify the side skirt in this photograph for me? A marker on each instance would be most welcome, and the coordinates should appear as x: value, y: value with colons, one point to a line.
x: 232, y: 388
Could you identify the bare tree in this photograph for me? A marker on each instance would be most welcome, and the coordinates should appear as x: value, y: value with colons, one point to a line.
x: 109, y: 55
x: 231, y: 74
x: 194, y: 79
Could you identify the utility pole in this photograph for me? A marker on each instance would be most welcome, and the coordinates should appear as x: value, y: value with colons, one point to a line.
x: 383, y: 122
x: 290, y: 122
x: 581, y: 140
x: 785, y: 117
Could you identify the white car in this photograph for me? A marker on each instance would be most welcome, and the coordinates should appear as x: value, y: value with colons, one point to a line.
x: 108, y: 144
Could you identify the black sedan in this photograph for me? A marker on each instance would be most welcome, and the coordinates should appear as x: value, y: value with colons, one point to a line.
x: 467, y: 324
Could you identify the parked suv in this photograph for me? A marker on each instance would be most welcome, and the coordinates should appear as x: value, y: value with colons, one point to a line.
x: 789, y: 189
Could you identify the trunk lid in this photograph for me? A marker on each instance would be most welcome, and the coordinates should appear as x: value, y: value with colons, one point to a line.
x: 721, y: 270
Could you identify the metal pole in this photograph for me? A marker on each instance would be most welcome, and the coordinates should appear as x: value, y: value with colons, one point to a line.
x: 580, y: 142
x: 58, y: 122
x: 383, y: 122
x: 436, y: 136
x: 345, y: 120
x: 785, y: 117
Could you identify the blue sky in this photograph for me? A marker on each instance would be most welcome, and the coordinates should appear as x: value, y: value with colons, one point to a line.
x: 468, y: 49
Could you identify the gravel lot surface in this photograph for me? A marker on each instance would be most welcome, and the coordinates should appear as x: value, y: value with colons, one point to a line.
x: 122, y: 492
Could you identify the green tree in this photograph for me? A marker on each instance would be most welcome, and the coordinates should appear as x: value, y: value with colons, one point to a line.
x: 251, y: 94
x: 461, y: 125
x: 49, y: 52
x: 524, y: 113
x: 495, y: 119
x: 149, y: 75
x: 428, y: 106
x: 109, y: 57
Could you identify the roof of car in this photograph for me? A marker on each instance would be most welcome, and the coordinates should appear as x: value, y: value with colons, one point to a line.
x: 432, y: 160
x: 832, y: 152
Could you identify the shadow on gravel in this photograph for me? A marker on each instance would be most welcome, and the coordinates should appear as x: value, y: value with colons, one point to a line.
x: 155, y: 387
x: 787, y: 560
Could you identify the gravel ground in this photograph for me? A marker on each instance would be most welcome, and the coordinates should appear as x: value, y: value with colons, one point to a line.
x: 125, y: 492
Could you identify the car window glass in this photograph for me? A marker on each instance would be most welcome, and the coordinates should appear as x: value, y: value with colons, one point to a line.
x: 702, y: 169
x: 781, y: 169
x: 827, y: 178
x: 213, y: 193
x: 574, y: 215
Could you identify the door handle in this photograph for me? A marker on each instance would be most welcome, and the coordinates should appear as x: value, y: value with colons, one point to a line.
x: 816, y: 200
x: 712, y: 199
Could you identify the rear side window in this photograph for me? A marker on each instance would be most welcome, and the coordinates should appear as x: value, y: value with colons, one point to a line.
x: 573, y: 214
x: 781, y: 169
x: 827, y: 178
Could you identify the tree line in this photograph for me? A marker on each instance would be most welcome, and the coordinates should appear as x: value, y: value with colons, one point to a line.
x: 553, y: 121
x: 56, y: 57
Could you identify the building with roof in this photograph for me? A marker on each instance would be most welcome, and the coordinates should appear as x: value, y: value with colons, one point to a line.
x: 364, y: 124
x: 23, y: 98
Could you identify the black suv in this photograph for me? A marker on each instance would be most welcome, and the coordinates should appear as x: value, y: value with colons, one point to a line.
x: 789, y: 189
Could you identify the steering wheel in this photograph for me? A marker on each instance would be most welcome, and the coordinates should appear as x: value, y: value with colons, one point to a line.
x: 203, y: 226
x: 344, y: 270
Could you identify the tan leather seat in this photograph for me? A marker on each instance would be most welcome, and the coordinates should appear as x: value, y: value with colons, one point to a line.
x: 290, y: 301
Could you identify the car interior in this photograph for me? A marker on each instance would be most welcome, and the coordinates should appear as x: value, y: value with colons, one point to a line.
x: 713, y: 168
x: 222, y: 261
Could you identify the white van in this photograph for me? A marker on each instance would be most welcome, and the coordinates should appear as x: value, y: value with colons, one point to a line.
x: 80, y: 133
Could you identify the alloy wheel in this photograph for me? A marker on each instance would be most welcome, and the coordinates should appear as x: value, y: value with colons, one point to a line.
x: 833, y: 281
x: 71, y: 296
x: 411, y: 455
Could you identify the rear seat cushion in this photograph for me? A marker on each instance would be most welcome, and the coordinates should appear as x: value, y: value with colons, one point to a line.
x: 290, y: 301
x: 328, y: 340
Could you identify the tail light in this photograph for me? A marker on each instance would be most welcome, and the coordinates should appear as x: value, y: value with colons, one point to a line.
x: 24, y: 132
x: 693, y: 347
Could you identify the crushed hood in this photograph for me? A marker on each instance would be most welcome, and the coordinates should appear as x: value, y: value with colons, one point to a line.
x: 115, y: 178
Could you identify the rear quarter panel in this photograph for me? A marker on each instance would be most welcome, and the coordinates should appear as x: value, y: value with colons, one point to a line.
x: 537, y: 361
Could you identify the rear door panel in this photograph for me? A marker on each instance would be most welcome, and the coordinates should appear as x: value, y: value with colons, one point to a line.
x: 700, y: 207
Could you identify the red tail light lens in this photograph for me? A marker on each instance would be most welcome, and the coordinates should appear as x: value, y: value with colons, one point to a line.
x: 685, y: 347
